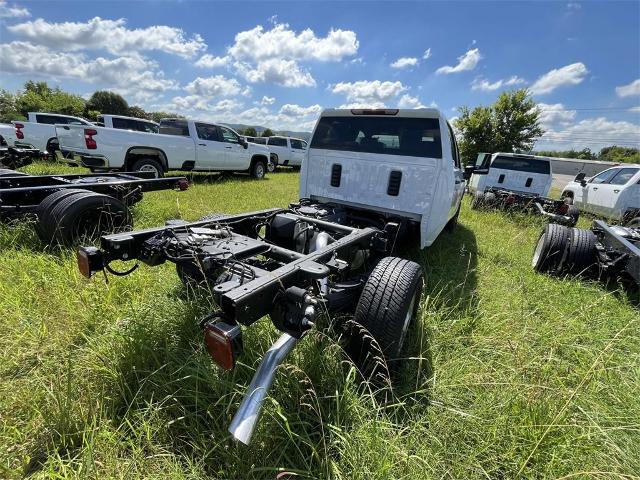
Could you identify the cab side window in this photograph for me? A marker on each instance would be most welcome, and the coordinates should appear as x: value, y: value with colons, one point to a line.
x: 296, y: 144
x: 278, y: 142
x: 454, y: 147
x: 623, y: 176
x: 207, y: 132
x: 604, y: 177
x: 228, y: 135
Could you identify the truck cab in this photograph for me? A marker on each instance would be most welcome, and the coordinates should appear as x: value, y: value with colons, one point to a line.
x: 398, y: 164
x: 613, y: 194
x: 518, y: 173
x: 287, y: 151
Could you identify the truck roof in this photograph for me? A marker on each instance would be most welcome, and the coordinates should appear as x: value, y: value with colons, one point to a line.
x: 382, y: 112
x: 56, y: 114
x: 128, y: 118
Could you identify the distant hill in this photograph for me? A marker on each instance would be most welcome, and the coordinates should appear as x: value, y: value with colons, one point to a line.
x: 259, y: 129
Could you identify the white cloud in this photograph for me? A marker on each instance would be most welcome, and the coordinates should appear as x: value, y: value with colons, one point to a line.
x: 558, y: 77
x: 296, y: 111
x: 629, y: 90
x: 573, y: 6
x: 369, y: 93
x: 273, y: 55
x: 593, y: 133
x: 12, y: 11
x: 267, y: 100
x: 201, y: 104
x: 120, y: 73
x: 407, y: 101
x: 466, y: 62
x: 486, y: 86
x: 554, y: 115
x: 217, y: 86
x: 282, y: 42
x: 635, y: 109
x: 210, y: 61
x: 279, y: 71
x: 109, y: 35
x: 427, y: 54
x: 404, y: 62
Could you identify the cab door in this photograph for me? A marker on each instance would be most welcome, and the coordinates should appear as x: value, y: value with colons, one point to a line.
x: 210, y: 151
x: 595, y: 192
x: 458, y: 174
x: 235, y: 153
x: 606, y: 199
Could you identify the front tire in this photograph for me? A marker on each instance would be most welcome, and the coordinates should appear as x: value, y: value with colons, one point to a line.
x: 385, y: 312
x: 258, y: 169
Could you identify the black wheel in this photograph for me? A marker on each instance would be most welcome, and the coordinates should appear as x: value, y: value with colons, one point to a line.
x: 580, y: 254
x: 5, y: 172
x: 149, y: 165
x: 258, y: 169
x: 453, y: 222
x: 53, y: 146
x: 86, y: 214
x: 477, y: 201
x: 490, y: 199
x: 568, y: 200
x: 45, y: 226
x: 573, y: 213
x: 386, y: 310
x: 634, y: 222
x: 547, y: 256
x: 273, y: 164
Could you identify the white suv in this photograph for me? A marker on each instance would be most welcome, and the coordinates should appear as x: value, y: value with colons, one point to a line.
x: 613, y: 193
x: 286, y: 151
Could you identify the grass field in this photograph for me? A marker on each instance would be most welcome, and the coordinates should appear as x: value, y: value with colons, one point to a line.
x: 512, y: 375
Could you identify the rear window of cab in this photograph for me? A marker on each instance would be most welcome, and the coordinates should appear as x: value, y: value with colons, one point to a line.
x: 519, y: 164
x: 412, y: 137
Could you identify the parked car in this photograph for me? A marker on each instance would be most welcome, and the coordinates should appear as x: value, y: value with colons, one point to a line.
x: 39, y: 130
x: 287, y: 152
x: 127, y: 123
x: 273, y: 158
x: 373, y: 180
x: 603, y: 250
x: 613, y: 194
x: 180, y: 145
x: 510, y: 180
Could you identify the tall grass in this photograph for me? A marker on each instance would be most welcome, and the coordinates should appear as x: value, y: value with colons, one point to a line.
x: 511, y: 374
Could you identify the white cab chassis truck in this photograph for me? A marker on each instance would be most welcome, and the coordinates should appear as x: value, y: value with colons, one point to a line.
x: 613, y: 194
x: 373, y: 180
x: 517, y: 181
x: 187, y: 145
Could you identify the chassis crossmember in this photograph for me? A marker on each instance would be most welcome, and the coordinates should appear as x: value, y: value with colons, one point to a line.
x: 291, y: 264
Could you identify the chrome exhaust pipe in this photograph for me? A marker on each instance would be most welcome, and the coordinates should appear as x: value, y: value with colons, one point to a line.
x: 246, y: 418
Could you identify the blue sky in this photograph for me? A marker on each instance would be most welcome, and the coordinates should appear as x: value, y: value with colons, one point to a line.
x: 279, y: 63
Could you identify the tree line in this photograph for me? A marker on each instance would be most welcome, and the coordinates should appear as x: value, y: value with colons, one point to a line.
x: 511, y: 124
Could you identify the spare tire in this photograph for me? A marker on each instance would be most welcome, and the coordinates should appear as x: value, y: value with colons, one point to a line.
x: 580, y: 254
x: 86, y: 214
x: 549, y: 251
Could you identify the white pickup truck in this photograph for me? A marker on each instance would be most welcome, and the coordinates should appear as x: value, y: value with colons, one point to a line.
x: 397, y: 163
x: 613, y: 194
x: 285, y: 151
x: 180, y: 145
x: 39, y: 130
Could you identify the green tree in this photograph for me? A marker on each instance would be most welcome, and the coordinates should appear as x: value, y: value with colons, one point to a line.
x: 267, y: 133
x: 620, y: 154
x: 157, y: 116
x: 511, y: 124
x: 137, y: 112
x: 250, y: 132
x: 39, y: 97
x: 8, y: 108
x: 108, y: 102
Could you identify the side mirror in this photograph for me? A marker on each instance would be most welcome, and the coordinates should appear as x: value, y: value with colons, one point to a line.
x: 468, y: 171
x: 580, y: 178
x: 244, y: 143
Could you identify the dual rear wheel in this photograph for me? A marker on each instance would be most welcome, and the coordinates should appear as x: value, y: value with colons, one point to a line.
x: 561, y: 250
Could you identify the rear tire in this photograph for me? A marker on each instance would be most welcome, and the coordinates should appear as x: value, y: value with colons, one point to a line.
x: 580, y: 254
x: 149, y: 165
x: 45, y: 225
x: 549, y: 251
x: 86, y: 214
x: 386, y: 310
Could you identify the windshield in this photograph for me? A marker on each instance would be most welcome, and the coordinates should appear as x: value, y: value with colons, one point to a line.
x: 414, y: 137
x: 522, y: 164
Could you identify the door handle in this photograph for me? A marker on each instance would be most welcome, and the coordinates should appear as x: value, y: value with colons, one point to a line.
x: 595, y: 188
x: 616, y: 191
x: 202, y: 144
x: 458, y: 182
x: 228, y: 148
